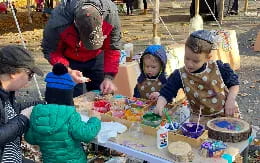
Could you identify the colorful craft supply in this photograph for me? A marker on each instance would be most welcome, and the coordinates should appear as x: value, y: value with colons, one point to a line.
x: 130, y: 101
x: 139, y: 103
x: 151, y: 119
x: 174, y: 126
x: 212, y: 148
x: 228, y: 125
x: 190, y: 129
x: 102, y: 106
x: 118, y: 113
x: 133, y: 114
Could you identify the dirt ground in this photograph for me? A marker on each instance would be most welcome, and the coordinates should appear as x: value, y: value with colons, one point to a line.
x: 137, y: 29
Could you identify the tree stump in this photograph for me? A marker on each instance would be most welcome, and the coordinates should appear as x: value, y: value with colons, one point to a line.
x: 181, y: 151
x: 228, y: 129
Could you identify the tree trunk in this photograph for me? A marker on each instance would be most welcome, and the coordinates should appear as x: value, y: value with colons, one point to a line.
x: 29, y: 11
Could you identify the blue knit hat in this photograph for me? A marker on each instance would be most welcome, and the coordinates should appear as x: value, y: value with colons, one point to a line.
x: 157, y: 51
x: 59, y: 86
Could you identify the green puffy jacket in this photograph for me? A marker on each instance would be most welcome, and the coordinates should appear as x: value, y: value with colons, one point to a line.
x: 59, y: 131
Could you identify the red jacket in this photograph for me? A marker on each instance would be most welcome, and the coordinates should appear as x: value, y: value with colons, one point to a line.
x: 69, y: 46
x: 61, y: 40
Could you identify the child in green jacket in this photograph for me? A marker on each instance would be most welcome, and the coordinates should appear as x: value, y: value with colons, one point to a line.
x: 56, y: 127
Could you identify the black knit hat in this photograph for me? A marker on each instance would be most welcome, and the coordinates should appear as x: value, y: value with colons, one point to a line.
x: 59, y: 86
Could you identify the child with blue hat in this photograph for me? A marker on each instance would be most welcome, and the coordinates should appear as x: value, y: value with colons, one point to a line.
x: 210, y: 86
x: 152, y: 77
x: 56, y: 126
x: 59, y: 86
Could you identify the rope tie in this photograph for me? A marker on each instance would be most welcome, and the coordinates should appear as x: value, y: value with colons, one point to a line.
x: 23, y: 42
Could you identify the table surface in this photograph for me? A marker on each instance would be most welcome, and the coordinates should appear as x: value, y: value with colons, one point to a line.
x: 145, y: 148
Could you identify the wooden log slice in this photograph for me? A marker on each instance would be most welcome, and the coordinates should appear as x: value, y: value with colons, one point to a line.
x: 181, y: 151
x: 228, y: 129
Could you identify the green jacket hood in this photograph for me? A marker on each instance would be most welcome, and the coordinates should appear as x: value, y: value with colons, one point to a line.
x: 49, y: 118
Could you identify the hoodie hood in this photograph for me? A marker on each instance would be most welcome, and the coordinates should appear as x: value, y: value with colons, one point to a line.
x: 157, y: 51
x: 50, y: 118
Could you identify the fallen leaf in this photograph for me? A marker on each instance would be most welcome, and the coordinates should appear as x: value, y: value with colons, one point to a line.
x: 245, y: 82
x: 243, y: 94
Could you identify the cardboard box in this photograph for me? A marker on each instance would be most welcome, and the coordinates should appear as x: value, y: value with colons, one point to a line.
x: 126, y: 78
x: 152, y: 131
x: 230, y: 56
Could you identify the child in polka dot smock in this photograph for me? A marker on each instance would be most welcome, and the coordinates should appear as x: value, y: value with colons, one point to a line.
x: 152, y: 77
x: 210, y: 86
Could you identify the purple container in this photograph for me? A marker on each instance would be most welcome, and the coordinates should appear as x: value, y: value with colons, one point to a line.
x: 189, y: 129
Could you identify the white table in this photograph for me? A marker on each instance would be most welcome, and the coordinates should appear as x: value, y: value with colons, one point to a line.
x: 163, y: 156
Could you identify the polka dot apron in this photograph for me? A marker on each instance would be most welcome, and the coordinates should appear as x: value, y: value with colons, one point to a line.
x: 148, y: 86
x: 205, y: 90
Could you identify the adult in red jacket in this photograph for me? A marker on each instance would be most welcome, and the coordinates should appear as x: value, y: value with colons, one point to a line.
x: 84, y: 35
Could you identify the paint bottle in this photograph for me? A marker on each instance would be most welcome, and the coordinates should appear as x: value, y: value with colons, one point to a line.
x: 184, y: 113
x: 162, y: 136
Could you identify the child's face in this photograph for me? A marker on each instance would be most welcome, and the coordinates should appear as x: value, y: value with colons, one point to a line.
x: 194, y: 61
x: 19, y: 79
x: 151, y: 67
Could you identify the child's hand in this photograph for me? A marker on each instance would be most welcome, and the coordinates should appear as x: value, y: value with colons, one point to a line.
x: 161, y: 102
x: 158, y: 110
x: 93, y: 113
x: 154, y: 96
x: 230, y: 107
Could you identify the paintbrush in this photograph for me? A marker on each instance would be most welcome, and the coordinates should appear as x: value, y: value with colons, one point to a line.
x: 168, y: 117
